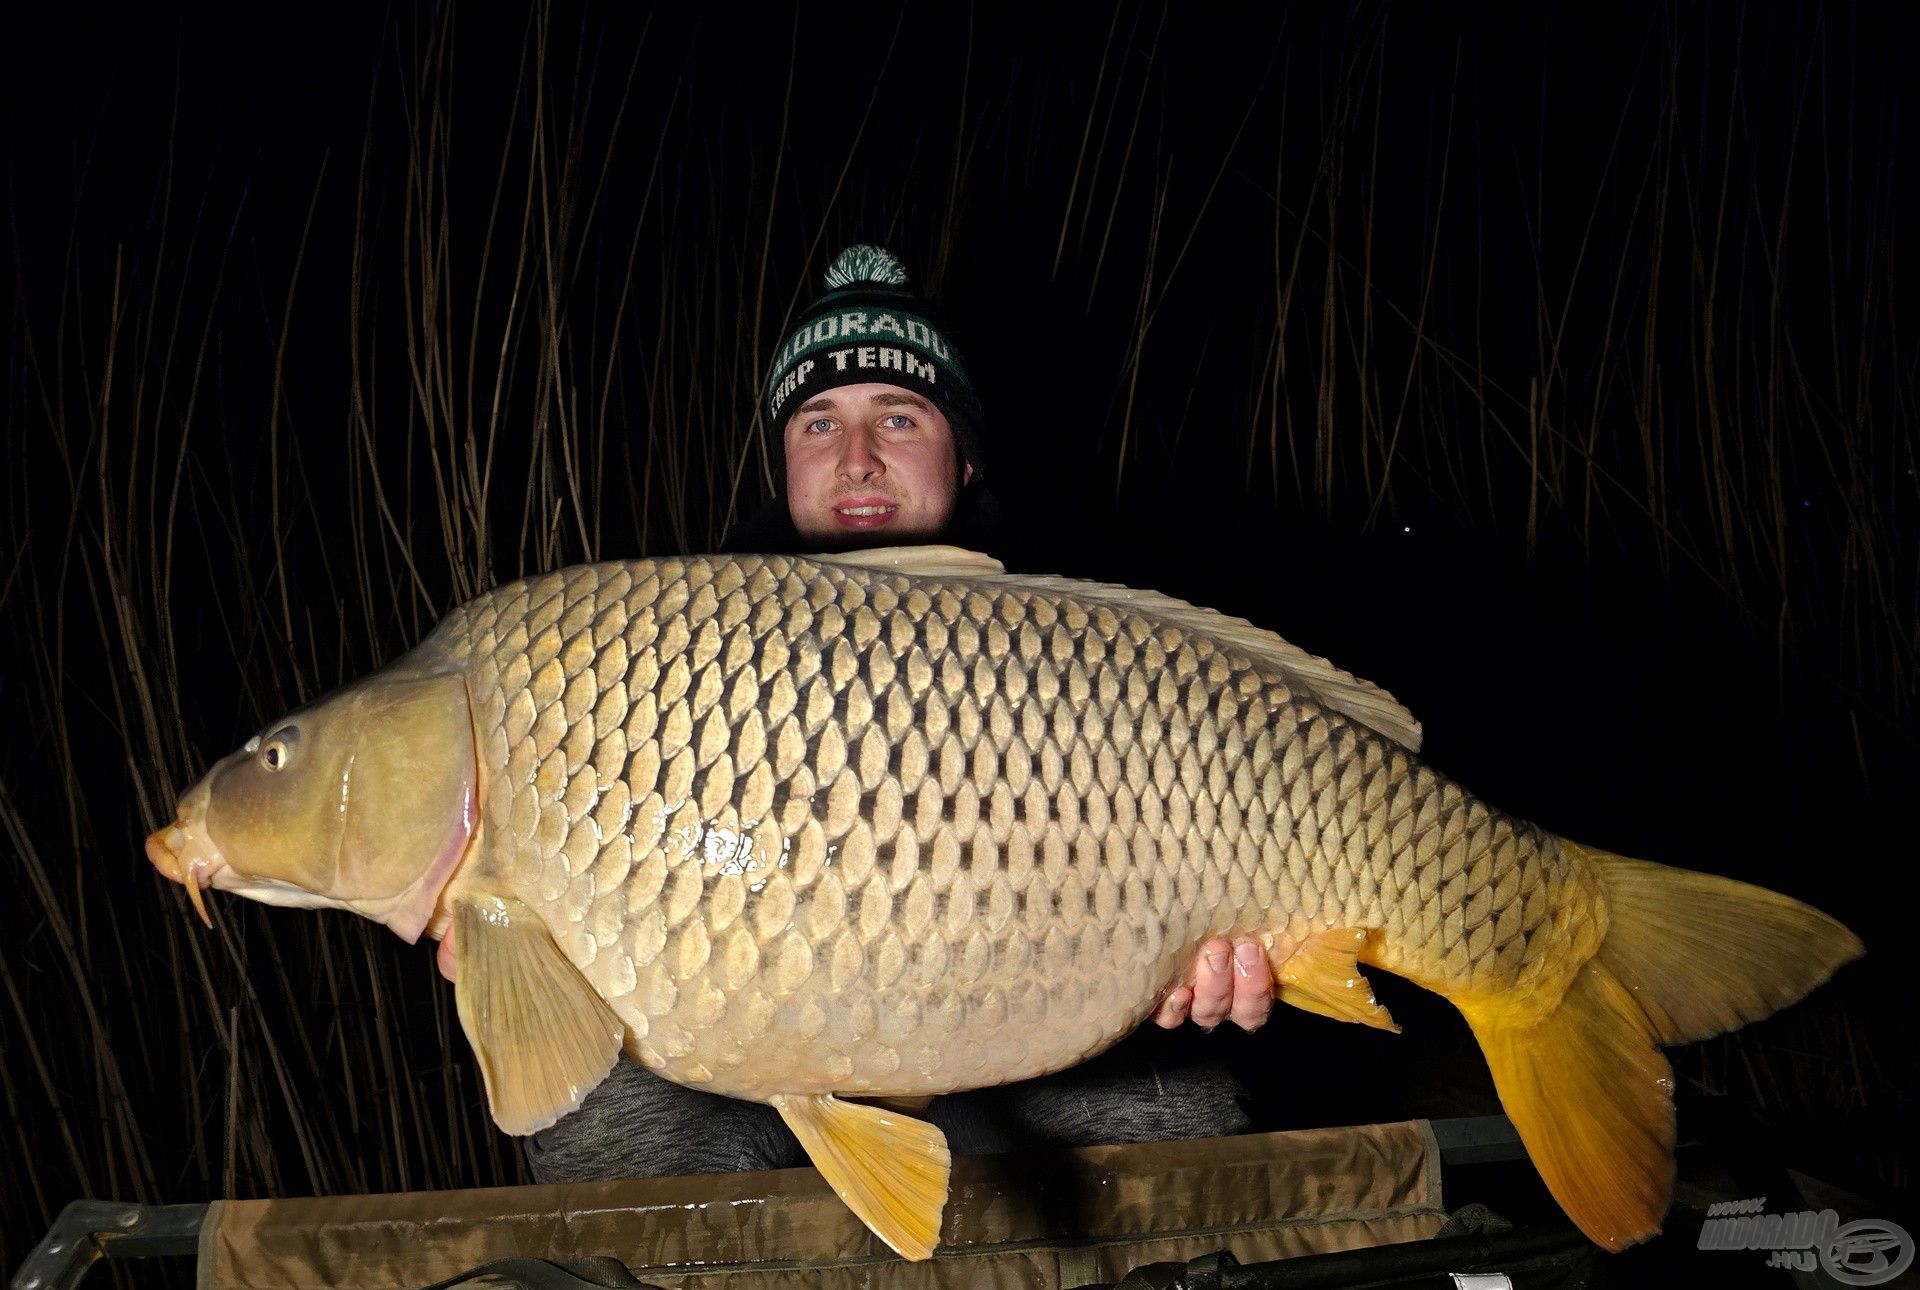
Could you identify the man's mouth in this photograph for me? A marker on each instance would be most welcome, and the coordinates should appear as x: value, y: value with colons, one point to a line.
x: 865, y: 511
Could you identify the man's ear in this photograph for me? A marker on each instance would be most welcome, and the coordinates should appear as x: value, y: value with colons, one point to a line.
x: 966, y: 472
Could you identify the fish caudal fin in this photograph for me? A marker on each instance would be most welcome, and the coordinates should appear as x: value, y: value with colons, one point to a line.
x: 1704, y: 954
x: 1686, y: 955
x: 890, y: 1169
x: 1592, y: 1099
x: 544, y: 1037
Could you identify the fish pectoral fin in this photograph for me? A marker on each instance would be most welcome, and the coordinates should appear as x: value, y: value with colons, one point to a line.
x: 543, y: 1035
x: 890, y: 1169
x: 1323, y: 976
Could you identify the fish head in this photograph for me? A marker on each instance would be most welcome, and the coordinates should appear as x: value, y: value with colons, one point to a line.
x: 363, y: 800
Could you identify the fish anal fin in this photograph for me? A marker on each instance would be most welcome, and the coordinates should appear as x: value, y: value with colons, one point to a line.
x: 890, y: 1169
x: 1323, y: 976
x: 543, y: 1035
x: 1592, y: 1099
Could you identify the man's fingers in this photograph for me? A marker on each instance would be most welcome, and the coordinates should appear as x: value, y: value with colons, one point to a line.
x: 1173, y: 1009
x: 1252, y: 986
x: 1213, y: 984
x: 1231, y: 980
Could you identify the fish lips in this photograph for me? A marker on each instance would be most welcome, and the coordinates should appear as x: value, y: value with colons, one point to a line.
x: 183, y: 852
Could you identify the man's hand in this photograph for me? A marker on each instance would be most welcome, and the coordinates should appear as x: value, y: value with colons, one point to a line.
x: 1230, y: 980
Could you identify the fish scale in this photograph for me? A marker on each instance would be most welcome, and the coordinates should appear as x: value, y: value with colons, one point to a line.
x: 915, y: 737
x: 897, y: 823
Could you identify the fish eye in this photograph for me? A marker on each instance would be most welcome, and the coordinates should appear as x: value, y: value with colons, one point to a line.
x: 277, y: 752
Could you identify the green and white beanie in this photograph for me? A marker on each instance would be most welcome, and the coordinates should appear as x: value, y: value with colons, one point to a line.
x: 870, y: 328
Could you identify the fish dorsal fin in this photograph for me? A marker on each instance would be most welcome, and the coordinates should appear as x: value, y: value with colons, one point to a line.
x: 544, y: 1037
x: 919, y: 561
x: 1334, y: 686
x: 1339, y: 689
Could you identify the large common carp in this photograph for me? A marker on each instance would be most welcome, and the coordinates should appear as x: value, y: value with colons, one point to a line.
x: 804, y: 830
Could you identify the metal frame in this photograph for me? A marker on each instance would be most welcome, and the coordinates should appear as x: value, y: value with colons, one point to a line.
x: 90, y: 1230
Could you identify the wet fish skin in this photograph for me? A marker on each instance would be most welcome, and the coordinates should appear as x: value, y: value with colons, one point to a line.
x: 897, y: 824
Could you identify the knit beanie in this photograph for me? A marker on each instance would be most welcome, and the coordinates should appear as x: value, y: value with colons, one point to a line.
x: 871, y: 328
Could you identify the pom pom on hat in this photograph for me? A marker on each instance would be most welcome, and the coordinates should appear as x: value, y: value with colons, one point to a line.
x: 858, y: 264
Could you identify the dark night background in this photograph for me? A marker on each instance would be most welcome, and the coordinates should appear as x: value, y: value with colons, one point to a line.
x: 1553, y: 367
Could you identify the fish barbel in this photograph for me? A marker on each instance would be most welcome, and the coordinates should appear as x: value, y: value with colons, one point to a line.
x: 878, y: 826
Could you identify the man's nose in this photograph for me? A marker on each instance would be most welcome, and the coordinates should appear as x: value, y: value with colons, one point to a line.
x: 858, y: 460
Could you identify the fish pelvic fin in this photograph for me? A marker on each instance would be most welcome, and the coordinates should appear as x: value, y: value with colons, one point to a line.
x: 1686, y: 955
x: 543, y: 1035
x: 1323, y: 976
x: 890, y: 1169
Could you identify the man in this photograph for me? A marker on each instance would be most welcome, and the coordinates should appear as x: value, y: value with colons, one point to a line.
x: 879, y: 430
x: 878, y: 420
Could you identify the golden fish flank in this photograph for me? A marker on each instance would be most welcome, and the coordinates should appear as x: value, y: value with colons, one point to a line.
x: 898, y: 823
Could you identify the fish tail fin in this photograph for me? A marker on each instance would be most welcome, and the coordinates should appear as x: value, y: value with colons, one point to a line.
x: 1703, y: 954
x: 1685, y: 955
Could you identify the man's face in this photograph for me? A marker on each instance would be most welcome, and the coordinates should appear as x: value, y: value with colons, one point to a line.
x: 869, y: 465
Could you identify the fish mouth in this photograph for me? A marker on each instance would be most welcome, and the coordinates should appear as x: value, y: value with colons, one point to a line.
x: 183, y: 852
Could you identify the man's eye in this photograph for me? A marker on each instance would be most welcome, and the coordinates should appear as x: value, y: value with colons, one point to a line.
x: 898, y: 421
x: 820, y: 426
